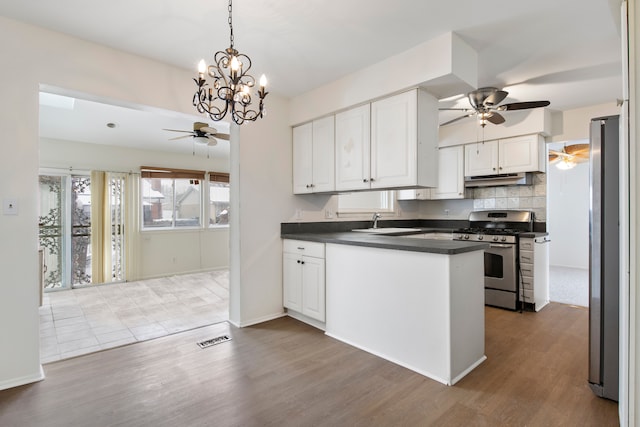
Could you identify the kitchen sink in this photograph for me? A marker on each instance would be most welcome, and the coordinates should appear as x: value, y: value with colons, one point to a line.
x: 387, y: 230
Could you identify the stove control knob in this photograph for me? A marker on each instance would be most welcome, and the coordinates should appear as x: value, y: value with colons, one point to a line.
x: 480, y: 237
x: 466, y: 237
x: 495, y: 238
x: 503, y: 239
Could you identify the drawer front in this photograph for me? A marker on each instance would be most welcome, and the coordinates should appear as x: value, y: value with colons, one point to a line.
x: 526, y: 245
x: 301, y: 247
x: 527, y: 269
x: 526, y: 296
x: 526, y: 257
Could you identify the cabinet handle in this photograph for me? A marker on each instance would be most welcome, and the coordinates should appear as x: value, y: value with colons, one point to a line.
x: 365, y: 180
x: 373, y: 179
x: 301, y: 248
x: 500, y: 167
x: 301, y: 262
x: 307, y: 185
x: 312, y: 185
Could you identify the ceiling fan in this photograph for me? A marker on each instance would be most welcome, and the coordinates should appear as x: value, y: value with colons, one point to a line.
x: 570, y: 156
x: 201, y: 134
x: 484, y: 103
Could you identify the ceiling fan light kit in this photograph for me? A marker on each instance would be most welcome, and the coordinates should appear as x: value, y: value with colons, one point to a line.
x: 570, y: 156
x: 231, y: 85
x: 485, y: 106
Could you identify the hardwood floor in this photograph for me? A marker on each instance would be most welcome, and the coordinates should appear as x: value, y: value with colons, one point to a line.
x: 285, y: 373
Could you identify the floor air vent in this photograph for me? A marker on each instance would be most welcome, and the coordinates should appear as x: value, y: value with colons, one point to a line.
x: 214, y: 341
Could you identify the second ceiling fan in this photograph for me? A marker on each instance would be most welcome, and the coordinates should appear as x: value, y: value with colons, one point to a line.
x: 201, y: 133
x: 485, y: 105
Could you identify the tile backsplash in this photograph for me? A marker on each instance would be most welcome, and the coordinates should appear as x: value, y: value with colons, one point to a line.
x: 526, y: 197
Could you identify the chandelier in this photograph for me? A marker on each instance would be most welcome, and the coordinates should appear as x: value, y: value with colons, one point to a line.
x: 230, y: 88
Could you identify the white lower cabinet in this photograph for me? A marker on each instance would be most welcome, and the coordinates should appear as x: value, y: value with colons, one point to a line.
x: 534, y: 266
x: 303, y: 270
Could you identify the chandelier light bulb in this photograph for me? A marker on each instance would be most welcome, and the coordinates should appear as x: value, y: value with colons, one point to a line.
x: 263, y: 81
x: 202, y: 67
x: 235, y: 64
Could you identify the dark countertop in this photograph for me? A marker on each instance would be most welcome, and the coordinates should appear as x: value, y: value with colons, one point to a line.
x: 446, y: 247
x: 533, y: 235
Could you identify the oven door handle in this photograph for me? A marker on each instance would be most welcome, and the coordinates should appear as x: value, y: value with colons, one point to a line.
x: 494, y: 245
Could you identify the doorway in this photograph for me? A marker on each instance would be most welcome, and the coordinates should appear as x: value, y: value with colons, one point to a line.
x: 568, y: 226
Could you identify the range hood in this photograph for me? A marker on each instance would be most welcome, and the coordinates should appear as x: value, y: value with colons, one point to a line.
x: 496, y: 180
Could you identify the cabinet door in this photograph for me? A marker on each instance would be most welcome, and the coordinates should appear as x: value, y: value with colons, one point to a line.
x: 313, y: 292
x: 292, y: 281
x: 419, y: 194
x: 520, y: 154
x: 394, y: 134
x: 353, y: 140
x: 324, y: 162
x: 481, y: 158
x: 450, y: 174
x: 302, y: 159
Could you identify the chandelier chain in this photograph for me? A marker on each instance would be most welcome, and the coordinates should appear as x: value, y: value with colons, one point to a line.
x: 230, y: 25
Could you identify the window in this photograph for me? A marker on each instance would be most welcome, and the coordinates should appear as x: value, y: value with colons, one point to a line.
x: 171, y: 198
x: 366, y: 202
x: 218, y: 199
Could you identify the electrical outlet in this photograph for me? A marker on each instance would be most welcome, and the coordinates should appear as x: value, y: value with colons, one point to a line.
x: 446, y: 212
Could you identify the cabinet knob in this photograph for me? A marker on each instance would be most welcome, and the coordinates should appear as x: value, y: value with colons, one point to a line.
x: 365, y: 180
x: 500, y: 167
x: 298, y: 261
x: 307, y: 185
x: 373, y: 179
x: 301, y: 262
x: 494, y: 168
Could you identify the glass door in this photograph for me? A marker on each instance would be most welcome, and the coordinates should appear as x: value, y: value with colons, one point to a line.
x: 65, y: 230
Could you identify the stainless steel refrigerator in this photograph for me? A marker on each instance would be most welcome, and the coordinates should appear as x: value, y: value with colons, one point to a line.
x: 604, y: 257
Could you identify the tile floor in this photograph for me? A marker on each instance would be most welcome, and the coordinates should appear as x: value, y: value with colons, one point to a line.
x: 85, y: 320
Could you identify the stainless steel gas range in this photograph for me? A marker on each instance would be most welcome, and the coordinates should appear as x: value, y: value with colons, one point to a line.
x: 499, y: 228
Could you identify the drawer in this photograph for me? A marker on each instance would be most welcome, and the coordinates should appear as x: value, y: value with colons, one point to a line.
x: 526, y: 256
x: 301, y: 247
x: 526, y: 245
x: 526, y: 295
x: 527, y: 283
x: 527, y: 269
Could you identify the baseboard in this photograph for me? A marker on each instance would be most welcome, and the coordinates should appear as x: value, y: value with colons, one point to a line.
x: 245, y: 323
x: 27, y: 379
x: 180, y: 273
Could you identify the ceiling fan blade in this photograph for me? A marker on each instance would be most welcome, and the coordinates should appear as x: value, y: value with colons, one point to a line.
x: 553, y: 158
x: 495, y: 98
x: 224, y: 136
x: 208, y: 129
x: 179, y: 130
x: 495, y: 118
x: 456, y: 119
x: 180, y: 137
x: 455, y: 109
x: 212, y: 142
x: 522, y: 105
x: 577, y: 149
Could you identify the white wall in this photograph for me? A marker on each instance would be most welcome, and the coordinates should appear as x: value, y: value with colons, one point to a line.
x: 568, y: 216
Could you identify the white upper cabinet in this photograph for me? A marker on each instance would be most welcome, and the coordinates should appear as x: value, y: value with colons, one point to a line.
x: 353, y: 136
x: 509, y: 155
x: 450, y: 178
x: 450, y: 174
x: 313, y: 157
x: 522, y: 154
x: 398, y: 149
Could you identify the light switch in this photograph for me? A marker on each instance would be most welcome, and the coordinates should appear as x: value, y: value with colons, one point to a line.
x: 10, y: 206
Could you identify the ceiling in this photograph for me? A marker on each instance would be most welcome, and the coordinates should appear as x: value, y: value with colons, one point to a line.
x: 567, y: 52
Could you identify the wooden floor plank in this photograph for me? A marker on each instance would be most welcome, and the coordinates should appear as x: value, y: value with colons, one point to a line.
x: 286, y: 373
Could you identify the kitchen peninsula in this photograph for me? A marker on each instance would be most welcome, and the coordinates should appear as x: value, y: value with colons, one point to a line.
x: 416, y: 302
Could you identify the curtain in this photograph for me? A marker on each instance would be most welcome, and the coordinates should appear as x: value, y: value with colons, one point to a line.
x: 100, y: 228
x: 132, y: 220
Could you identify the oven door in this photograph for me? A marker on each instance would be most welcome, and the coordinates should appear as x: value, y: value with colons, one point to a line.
x: 500, y: 267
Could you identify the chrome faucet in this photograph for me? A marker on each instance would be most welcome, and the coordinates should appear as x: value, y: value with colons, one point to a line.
x: 376, y: 217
